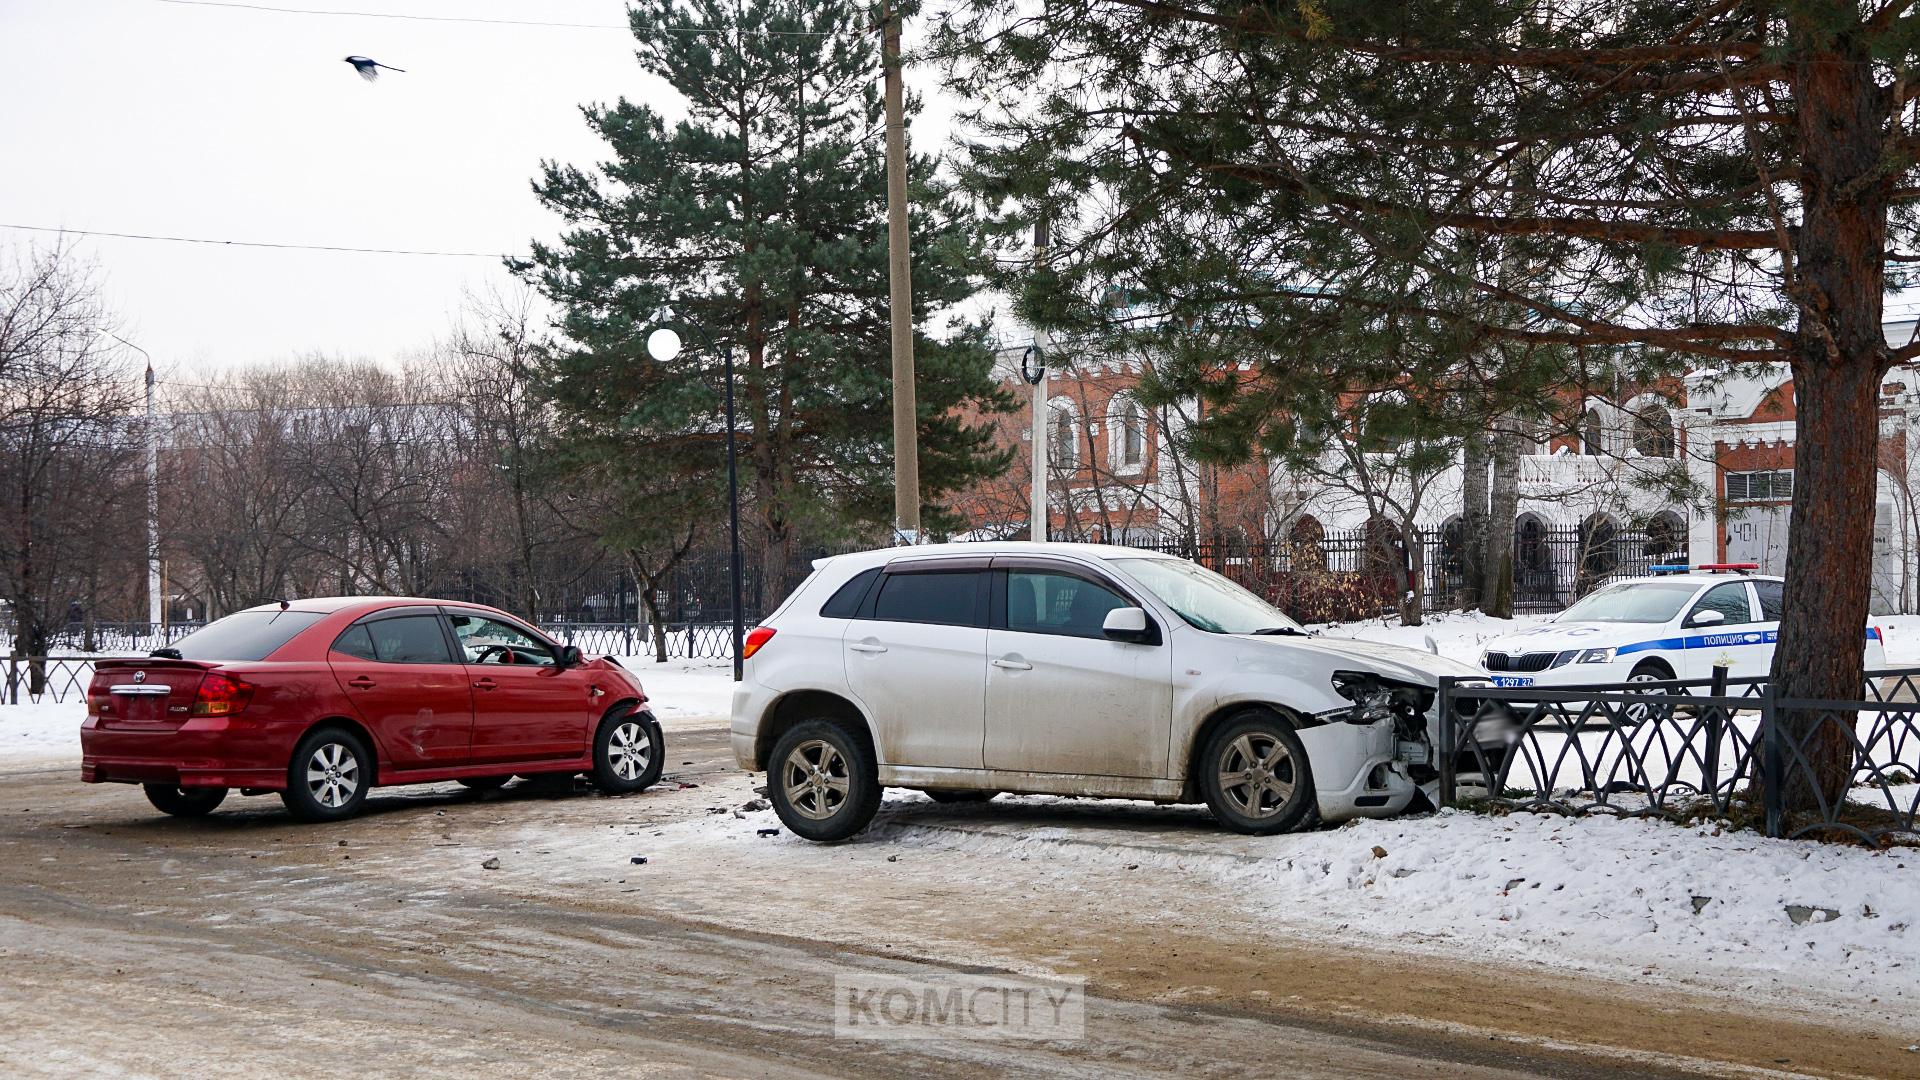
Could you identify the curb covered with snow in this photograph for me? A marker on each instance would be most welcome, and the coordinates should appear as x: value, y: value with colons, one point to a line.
x: 1699, y: 908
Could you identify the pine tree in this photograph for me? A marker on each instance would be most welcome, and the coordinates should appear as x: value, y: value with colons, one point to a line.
x: 760, y: 217
x: 1465, y: 197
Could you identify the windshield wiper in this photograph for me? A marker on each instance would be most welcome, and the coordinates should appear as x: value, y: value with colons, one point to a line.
x: 1281, y: 631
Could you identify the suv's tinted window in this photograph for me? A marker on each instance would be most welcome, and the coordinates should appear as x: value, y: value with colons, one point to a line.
x: 355, y: 642
x: 845, y: 603
x: 1771, y: 593
x: 951, y: 598
x: 1730, y: 598
x: 410, y: 639
x: 245, y: 635
x: 1039, y: 602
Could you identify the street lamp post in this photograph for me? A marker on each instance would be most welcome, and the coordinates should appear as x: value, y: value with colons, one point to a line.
x: 663, y: 345
x: 1036, y: 376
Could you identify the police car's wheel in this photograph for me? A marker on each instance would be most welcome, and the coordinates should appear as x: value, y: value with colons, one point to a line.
x: 1647, y: 671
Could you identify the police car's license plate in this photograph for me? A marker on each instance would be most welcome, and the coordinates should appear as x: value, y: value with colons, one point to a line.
x: 1512, y: 680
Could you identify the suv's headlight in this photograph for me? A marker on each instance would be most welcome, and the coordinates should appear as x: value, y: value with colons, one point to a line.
x: 1596, y: 656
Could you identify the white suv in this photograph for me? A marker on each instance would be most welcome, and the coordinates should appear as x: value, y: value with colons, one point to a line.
x: 965, y: 670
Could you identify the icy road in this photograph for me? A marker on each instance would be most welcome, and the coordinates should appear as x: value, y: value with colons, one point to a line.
x: 245, y: 945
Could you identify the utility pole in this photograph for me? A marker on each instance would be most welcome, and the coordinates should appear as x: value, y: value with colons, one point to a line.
x: 155, y: 587
x: 1037, y: 530
x: 906, y: 433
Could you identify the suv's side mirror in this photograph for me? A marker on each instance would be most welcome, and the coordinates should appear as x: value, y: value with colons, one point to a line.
x: 1707, y: 617
x: 570, y: 656
x: 1127, y: 624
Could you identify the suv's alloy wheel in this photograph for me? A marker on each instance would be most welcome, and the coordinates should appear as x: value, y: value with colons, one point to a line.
x: 823, y: 781
x: 1255, y: 775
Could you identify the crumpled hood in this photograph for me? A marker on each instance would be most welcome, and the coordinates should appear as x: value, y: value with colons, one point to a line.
x: 1393, y: 661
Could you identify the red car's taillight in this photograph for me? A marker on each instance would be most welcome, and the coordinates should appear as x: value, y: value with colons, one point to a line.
x: 221, y: 695
x: 760, y: 636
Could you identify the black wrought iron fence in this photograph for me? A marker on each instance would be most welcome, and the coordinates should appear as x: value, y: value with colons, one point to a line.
x: 37, y: 679
x: 1690, y: 748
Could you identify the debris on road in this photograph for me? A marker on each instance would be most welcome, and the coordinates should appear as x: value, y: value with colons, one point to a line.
x: 1802, y: 914
x: 490, y: 864
x: 639, y: 860
x: 769, y: 832
x: 1379, y: 852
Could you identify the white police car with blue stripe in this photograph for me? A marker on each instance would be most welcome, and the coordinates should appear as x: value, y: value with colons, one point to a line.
x: 1679, y: 624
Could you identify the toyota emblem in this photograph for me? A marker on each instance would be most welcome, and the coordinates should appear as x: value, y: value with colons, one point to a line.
x: 139, y: 676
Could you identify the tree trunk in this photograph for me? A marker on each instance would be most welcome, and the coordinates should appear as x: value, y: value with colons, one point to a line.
x: 1472, y: 551
x: 1503, y: 505
x: 1840, y: 356
x: 1412, y: 575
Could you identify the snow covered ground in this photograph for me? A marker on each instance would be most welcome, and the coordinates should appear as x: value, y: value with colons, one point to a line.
x: 34, y: 734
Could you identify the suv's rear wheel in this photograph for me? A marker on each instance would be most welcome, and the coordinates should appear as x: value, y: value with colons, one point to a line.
x: 629, y: 752
x: 1255, y: 776
x: 823, y: 781
x: 329, y: 775
x: 184, y: 801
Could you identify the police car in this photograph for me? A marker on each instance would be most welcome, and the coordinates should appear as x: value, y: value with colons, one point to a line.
x: 1679, y: 624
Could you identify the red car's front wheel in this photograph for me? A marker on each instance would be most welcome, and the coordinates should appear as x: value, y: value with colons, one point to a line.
x: 629, y: 752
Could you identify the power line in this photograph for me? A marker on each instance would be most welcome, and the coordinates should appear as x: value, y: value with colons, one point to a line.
x: 487, y: 22
x: 263, y: 243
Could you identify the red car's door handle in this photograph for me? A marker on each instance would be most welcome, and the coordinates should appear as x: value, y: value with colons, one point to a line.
x: 360, y: 682
x: 484, y: 684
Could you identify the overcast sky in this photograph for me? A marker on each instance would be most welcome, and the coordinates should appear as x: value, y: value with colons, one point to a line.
x: 150, y: 117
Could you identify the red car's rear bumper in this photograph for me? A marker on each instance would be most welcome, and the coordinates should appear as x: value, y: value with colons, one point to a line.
x: 202, y: 752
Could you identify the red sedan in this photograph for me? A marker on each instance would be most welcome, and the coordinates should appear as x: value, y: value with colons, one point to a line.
x: 322, y: 700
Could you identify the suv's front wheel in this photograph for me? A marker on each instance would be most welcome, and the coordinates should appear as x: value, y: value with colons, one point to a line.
x: 1255, y: 776
x: 823, y: 781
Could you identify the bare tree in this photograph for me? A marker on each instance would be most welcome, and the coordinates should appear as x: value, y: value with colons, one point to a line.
x: 68, y: 441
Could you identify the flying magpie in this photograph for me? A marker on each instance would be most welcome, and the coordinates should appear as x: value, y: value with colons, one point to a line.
x: 369, y: 69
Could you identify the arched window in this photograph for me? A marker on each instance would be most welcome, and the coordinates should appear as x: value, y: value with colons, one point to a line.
x: 1063, y: 443
x: 1667, y: 537
x: 1653, y: 432
x: 1127, y: 427
x: 1599, y: 551
x: 1592, y: 434
x: 1533, y: 579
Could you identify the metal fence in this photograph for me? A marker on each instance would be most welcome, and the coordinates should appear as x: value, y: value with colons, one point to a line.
x: 1355, y: 574
x: 36, y: 679
x: 1691, y: 749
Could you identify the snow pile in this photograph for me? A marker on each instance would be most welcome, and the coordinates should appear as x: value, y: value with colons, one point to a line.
x: 1700, y: 907
x: 40, y: 733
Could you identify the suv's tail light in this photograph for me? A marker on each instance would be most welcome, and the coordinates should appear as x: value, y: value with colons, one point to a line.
x: 221, y: 695
x: 760, y: 636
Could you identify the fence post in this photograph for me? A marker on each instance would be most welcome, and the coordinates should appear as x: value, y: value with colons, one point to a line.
x: 1446, y: 747
x: 1772, y: 790
x: 1716, y: 725
x: 12, y: 695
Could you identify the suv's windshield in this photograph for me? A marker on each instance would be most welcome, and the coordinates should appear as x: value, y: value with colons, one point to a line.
x: 1205, y: 599
x: 1634, y: 602
x: 245, y: 635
